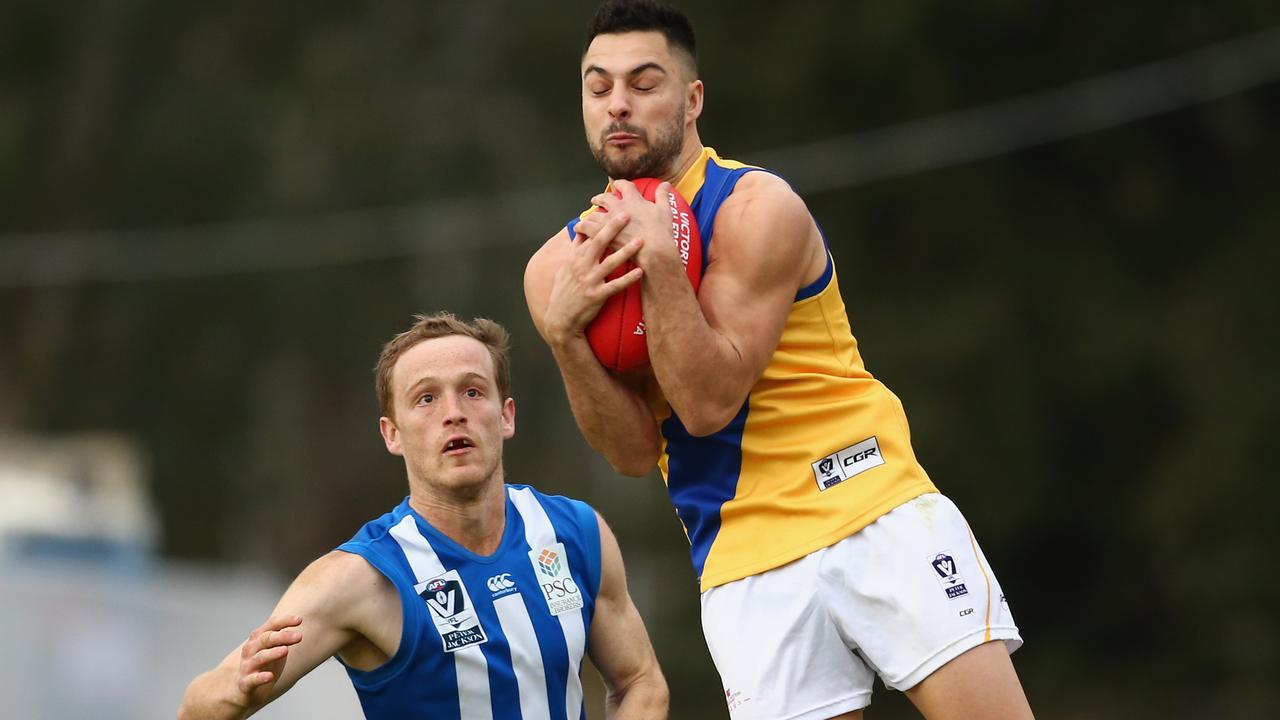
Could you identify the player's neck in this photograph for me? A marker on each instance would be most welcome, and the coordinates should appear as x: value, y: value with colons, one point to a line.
x: 475, y: 521
x: 688, y: 156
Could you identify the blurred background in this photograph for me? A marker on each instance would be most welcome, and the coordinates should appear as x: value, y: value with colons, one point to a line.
x: 1057, y: 227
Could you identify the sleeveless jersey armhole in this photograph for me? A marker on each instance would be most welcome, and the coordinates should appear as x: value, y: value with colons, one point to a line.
x: 409, y: 629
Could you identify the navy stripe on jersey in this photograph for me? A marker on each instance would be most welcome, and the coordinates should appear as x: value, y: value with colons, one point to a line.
x: 702, y: 475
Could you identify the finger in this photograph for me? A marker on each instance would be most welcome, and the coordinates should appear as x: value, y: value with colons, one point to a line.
x: 590, y: 226
x: 617, y: 285
x: 606, y: 234
x: 278, y: 638
x: 256, y: 680
x: 664, y: 189
x: 626, y: 187
x: 262, y: 658
x: 280, y: 622
x: 606, y: 201
x: 618, y: 257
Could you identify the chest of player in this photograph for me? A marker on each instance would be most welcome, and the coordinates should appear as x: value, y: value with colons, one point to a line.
x: 525, y: 612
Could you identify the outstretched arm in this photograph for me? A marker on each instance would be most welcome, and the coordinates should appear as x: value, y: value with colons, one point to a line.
x: 565, y: 287
x: 619, y: 646
x: 316, y: 618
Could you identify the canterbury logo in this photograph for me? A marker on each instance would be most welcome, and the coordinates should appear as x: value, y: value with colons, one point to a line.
x: 498, y: 583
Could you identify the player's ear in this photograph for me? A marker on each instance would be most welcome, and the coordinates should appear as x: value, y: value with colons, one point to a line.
x: 693, y: 101
x: 508, y: 418
x: 390, y: 435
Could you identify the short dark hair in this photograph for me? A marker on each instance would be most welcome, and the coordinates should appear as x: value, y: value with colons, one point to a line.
x: 443, y: 324
x: 622, y: 16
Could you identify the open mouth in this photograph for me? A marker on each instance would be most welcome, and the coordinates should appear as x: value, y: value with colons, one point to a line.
x: 458, y: 443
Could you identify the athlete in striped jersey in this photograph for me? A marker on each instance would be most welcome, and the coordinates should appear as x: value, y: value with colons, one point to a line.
x: 825, y: 554
x: 472, y: 599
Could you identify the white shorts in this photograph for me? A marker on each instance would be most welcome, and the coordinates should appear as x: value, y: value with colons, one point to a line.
x: 898, y: 599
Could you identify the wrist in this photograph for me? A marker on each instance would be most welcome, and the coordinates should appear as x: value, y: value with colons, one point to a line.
x: 563, y: 337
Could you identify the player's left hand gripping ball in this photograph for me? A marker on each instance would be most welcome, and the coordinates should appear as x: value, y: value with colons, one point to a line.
x: 617, y: 334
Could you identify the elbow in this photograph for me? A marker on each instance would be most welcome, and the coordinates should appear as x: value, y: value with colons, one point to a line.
x: 635, y: 464
x: 647, y: 696
x: 634, y: 470
x: 661, y: 701
x: 708, y: 418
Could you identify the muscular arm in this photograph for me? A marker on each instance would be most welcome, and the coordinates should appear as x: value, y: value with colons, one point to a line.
x: 331, y: 607
x: 708, y: 351
x: 619, y: 646
x: 564, y: 288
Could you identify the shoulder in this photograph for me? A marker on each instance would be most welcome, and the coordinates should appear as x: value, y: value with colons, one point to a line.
x: 342, y: 574
x: 540, y: 271
x: 549, y: 253
x: 560, y: 508
x: 762, y: 196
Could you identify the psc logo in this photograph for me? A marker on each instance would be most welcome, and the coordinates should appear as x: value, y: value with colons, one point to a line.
x: 559, y: 588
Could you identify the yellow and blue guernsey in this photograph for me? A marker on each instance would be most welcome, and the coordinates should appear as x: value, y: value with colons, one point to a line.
x: 819, y: 450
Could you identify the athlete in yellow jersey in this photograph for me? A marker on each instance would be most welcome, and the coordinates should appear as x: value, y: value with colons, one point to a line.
x: 825, y: 554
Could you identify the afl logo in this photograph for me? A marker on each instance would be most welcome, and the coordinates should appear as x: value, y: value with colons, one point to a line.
x: 435, y: 585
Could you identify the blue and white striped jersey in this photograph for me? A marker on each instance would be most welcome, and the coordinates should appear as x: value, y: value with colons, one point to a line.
x: 498, y: 637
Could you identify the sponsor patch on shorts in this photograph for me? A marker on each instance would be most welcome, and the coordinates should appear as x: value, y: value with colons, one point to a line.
x: 844, y: 464
x: 948, y: 574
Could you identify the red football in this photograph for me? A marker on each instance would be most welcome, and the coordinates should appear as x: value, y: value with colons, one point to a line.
x: 617, y: 333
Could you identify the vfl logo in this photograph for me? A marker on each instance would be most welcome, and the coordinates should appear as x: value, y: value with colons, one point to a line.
x: 948, y: 575
x: 445, y: 598
x: 451, y: 610
x: 844, y: 464
x: 499, y: 583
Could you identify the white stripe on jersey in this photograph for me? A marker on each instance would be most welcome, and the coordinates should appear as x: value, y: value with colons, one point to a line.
x: 539, y: 533
x: 470, y: 664
x: 526, y: 656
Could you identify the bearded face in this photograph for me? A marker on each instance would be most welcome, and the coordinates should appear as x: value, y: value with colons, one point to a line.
x: 652, y: 155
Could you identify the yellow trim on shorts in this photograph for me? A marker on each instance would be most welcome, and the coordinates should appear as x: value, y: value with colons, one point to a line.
x: 974, y: 544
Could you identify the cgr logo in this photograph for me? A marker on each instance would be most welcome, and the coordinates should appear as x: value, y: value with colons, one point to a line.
x: 858, y: 457
x: 498, y: 583
x: 844, y: 464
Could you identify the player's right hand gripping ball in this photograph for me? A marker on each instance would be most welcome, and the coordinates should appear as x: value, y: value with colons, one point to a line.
x: 617, y: 334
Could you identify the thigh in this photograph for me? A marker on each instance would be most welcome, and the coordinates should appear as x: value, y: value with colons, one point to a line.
x: 979, y: 683
x: 913, y: 591
x: 777, y: 651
